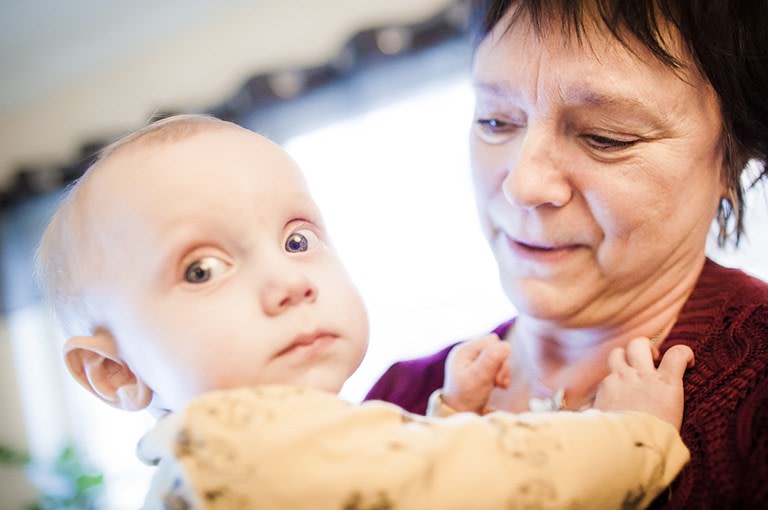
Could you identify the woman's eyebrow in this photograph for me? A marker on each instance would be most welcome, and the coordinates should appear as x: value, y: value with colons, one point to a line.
x: 585, y: 97
x: 628, y: 106
x: 494, y: 88
x: 497, y: 90
x: 601, y: 99
x: 573, y: 97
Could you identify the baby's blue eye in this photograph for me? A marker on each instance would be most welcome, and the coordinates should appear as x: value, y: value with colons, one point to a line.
x: 204, y: 269
x: 296, y: 242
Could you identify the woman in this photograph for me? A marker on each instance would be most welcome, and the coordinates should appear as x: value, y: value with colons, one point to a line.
x: 607, y: 137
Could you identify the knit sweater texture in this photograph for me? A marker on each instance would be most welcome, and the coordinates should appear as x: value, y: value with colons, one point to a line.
x: 725, y: 426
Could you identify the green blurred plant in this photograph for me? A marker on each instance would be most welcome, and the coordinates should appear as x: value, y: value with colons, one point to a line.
x: 69, y: 483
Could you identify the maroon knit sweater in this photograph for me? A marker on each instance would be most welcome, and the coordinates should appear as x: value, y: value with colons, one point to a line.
x: 725, y: 322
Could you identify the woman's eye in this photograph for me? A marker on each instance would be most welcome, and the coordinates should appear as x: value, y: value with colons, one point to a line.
x: 493, y: 125
x: 605, y: 143
x: 202, y: 270
x: 300, y: 241
x: 496, y: 130
x: 490, y: 124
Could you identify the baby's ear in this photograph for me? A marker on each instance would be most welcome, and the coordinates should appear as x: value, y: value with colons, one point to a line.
x: 95, y: 363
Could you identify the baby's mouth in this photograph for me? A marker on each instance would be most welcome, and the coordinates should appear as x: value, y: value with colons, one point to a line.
x: 307, y: 341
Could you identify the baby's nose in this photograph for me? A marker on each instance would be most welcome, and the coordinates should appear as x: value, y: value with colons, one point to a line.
x: 282, y: 293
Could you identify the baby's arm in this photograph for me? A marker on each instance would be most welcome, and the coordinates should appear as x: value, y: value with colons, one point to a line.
x: 283, y: 447
x: 472, y: 370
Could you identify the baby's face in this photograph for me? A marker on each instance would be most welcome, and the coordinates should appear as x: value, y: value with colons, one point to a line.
x: 217, y: 269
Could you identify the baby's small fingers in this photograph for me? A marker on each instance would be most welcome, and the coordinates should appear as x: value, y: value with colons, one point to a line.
x: 471, y: 349
x: 478, y: 345
x: 656, y: 352
x: 488, y: 339
x: 502, y: 349
x: 504, y: 376
x: 639, y: 354
x: 676, y: 360
x: 617, y: 359
x: 494, y: 355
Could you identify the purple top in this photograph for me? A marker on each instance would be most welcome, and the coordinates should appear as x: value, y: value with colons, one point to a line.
x: 725, y: 322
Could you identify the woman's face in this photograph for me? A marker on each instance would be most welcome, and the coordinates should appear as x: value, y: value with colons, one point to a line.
x: 597, y: 173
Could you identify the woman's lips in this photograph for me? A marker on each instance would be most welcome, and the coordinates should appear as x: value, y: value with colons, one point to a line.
x: 539, y: 252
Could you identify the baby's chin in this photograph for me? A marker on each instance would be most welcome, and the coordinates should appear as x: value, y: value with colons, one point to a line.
x: 322, y: 380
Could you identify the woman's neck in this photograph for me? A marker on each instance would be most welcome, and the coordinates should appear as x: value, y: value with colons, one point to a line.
x: 552, y: 349
x: 547, y: 357
x: 650, y: 312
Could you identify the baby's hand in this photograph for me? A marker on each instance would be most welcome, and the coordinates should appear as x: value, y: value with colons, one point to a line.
x: 635, y: 384
x: 472, y: 370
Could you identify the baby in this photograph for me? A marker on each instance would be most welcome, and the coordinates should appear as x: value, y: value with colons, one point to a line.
x: 193, y: 276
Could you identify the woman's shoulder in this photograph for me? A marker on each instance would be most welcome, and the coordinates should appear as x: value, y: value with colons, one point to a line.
x: 725, y: 321
x: 410, y: 383
x: 726, y: 305
x: 732, y: 282
x: 722, y: 295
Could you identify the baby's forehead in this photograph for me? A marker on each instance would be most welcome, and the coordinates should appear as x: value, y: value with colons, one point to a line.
x: 135, y: 190
x: 212, y: 168
x: 216, y: 153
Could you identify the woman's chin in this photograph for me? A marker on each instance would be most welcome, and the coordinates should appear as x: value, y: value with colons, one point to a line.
x: 542, y: 302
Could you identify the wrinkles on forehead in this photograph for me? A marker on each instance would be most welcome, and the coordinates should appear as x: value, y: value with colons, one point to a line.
x: 522, y: 65
x: 592, y: 24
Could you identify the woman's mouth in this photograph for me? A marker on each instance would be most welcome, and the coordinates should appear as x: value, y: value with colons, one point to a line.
x: 539, y: 251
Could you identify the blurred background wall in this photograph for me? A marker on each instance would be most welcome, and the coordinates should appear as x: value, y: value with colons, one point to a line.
x: 72, y: 71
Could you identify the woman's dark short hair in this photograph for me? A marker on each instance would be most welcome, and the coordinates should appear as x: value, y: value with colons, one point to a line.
x: 728, y: 40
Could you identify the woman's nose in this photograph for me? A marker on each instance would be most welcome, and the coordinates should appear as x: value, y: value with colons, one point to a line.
x: 536, y: 172
x: 283, y: 293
